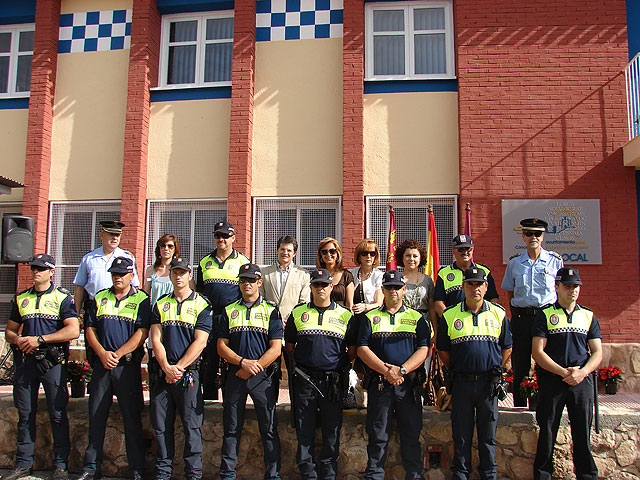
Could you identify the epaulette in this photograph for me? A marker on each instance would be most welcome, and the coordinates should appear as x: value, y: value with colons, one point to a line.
x: 101, y: 291
x: 247, y: 258
x: 162, y: 296
x: 497, y: 305
x: 64, y: 290
x: 23, y: 291
x: 138, y: 289
x: 449, y: 308
x: 513, y: 256
x: 130, y: 254
x: 555, y: 254
x: 483, y: 265
x: 585, y: 308
x: 443, y: 267
x: 269, y: 302
x: 198, y: 294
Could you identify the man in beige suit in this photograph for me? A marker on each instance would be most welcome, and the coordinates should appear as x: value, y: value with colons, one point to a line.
x: 284, y: 283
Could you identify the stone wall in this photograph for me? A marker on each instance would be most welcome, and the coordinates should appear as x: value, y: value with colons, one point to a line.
x: 616, y: 447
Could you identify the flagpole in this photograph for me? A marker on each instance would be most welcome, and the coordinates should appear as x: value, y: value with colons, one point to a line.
x: 392, y: 263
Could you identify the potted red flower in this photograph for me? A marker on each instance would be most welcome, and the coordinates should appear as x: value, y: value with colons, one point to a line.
x: 78, y: 374
x: 529, y: 389
x: 610, y: 376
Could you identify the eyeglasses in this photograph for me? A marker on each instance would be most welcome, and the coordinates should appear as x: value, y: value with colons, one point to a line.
x: 327, y: 251
x: 170, y: 246
x: 218, y: 236
x: 530, y: 233
x: 366, y: 253
x: 392, y: 287
x: 248, y: 280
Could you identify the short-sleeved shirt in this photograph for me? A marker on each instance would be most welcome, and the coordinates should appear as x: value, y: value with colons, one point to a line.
x: 532, y: 283
x: 394, y: 337
x: 180, y: 320
x: 116, y: 320
x: 339, y: 290
x: 42, y: 313
x: 321, y: 335
x: 250, y: 327
x: 474, y: 340
x: 567, y: 335
x: 93, y: 273
x: 219, y: 281
x: 449, y: 284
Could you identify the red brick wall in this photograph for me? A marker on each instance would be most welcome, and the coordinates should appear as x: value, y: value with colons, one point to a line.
x: 542, y: 115
x: 38, y: 155
x: 352, y: 128
x: 143, y: 73
x: 241, y: 131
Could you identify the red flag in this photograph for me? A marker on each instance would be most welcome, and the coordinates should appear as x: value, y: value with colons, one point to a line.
x: 392, y: 263
x: 467, y: 220
x: 433, y: 255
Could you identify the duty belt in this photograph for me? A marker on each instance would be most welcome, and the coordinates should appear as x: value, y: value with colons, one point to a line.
x: 317, y: 374
x: 471, y: 377
x: 525, y: 310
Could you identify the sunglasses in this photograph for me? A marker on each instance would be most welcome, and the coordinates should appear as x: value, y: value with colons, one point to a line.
x: 327, y: 251
x: 39, y: 268
x: 221, y: 235
x: 392, y: 287
x: 320, y: 285
x: 170, y: 246
x: 366, y: 253
x: 529, y: 233
x: 464, y: 249
x: 248, y: 280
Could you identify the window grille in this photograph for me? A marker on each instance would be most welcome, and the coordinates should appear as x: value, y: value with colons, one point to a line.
x: 411, y: 218
x: 8, y: 284
x: 74, y: 230
x: 191, y: 221
x: 308, y: 219
x: 16, y: 52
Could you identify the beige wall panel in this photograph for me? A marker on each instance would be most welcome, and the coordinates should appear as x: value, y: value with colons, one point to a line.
x: 88, y: 125
x: 411, y: 143
x: 73, y: 6
x: 13, y: 138
x: 297, y: 118
x: 189, y: 149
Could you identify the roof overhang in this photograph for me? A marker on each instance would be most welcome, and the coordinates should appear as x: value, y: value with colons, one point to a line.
x: 6, y: 184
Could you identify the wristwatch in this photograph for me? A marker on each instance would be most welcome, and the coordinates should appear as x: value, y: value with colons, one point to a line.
x: 403, y: 370
x: 41, y: 340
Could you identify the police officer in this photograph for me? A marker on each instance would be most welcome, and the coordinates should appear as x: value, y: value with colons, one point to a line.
x: 529, y: 282
x: 474, y: 342
x: 116, y: 327
x: 218, y: 281
x: 250, y: 341
x: 180, y: 327
x: 321, y: 338
x: 393, y: 342
x: 48, y: 319
x: 448, y: 290
x: 93, y: 273
x: 567, y: 349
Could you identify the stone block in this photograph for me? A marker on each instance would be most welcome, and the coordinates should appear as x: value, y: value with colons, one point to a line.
x: 606, y: 467
x: 521, y: 468
x: 564, y: 436
x: 634, y: 362
x: 506, y: 436
x: 626, y: 453
x: 529, y: 441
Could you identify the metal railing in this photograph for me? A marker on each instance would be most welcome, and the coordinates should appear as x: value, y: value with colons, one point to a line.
x: 632, y: 78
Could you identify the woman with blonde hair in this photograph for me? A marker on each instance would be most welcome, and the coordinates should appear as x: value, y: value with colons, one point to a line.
x: 156, y: 277
x: 367, y: 278
x: 329, y: 256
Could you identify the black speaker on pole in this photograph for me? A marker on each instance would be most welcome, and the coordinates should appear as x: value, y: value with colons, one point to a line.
x: 17, y: 239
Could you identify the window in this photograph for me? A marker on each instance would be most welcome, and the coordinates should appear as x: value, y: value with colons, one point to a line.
x: 8, y: 284
x: 16, y: 52
x: 409, y: 40
x: 196, y: 50
x: 308, y: 219
x: 191, y: 221
x: 411, y: 216
x: 74, y: 230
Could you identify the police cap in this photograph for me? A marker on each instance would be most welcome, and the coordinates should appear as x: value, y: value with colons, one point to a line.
x: 474, y: 274
x: 250, y: 270
x: 224, y: 227
x: 568, y: 276
x: 121, y: 265
x: 393, y: 277
x: 112, y: 226
x: 43, y: 260
x: 321, y: 275
x: 462, y: 241
x: 180, y: 263
x: 534, y: 224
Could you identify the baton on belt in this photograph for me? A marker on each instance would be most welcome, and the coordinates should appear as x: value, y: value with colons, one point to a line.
x: 596, y: 406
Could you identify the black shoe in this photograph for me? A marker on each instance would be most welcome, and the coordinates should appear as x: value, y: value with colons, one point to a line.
x: 60, y: 474
x: 87, y: 476
x: 18, y: 473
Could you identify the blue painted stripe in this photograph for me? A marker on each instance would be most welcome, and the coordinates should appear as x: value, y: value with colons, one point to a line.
x: 17, y: 11
x: 183, y: 6
x: 13, y: 103
x: 399, y: 86
x: 204, y: 93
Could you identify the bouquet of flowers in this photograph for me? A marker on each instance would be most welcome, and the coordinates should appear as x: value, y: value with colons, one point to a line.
x: 610, y: 374
x: 78, y: 370
x: 529, y: 387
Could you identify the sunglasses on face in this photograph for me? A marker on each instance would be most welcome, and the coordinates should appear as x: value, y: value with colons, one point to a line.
x: 118, y: 274
x: 366, y: 253
x: 39, y: 269
x: 529, y: 233
x: 464, y: 249
x: 170, y: 246
x: 248, y: 280
x: 218, y: 236
x: 327, y: 251
x: 392, y: 287
x: 320, y: 285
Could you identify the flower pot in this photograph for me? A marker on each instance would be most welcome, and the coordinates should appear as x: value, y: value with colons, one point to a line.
x: 78, y: 388
x: 611, y: 388
x: 533, y: 404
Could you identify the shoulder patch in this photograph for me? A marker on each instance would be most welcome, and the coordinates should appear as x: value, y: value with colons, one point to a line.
x: 555, y: 254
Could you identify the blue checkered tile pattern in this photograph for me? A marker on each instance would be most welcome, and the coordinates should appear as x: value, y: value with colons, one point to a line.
x: 298, y: 19
x: 95, y: 31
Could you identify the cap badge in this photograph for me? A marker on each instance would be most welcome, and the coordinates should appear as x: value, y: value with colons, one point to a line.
x: 463, y: 238
x: 570, y: 272
x: 119, y: 261
x: 475, y: 270
x: 457, y: 324
x: 39, y: 256
x: 554, y: 319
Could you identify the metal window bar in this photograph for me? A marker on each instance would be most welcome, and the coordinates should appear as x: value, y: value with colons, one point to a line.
x: 632, y: 81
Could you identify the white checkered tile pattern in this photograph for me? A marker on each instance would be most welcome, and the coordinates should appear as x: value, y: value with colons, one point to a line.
x: 298, y: 19
x: 95, y: 31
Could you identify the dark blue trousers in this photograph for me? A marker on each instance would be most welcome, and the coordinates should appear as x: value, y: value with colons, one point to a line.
x: 264, y: 393
x: 187, y: 401
x: 125, y: 383
x: 383, y: 406
x: 27, y: 381
x: 472, y: 403
x: 308, y: 403
x: 554, y: 394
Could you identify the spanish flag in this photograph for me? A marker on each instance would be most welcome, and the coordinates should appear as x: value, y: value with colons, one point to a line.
x: 392, y: 263
x: 433, y: 255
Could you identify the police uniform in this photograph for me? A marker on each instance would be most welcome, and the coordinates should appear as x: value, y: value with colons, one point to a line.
x: 533, y: 287
x: 115, y: 321
x: 321, y: 337
x: 394, y: 338
x: 250, y: 327
x: 178, y: 321
x: 475, y: 343
x: 567, y: 344
x: 42, y: 313
x: 449, y: 284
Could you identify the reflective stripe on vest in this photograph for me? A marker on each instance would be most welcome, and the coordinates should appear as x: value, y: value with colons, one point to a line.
x: 334, y: 321
x: 558, y: 321
x: 462, y: 328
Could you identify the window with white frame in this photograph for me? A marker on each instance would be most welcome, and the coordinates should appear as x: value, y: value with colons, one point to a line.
x: 8, y: 283
x: 191, y: 221
x: 74, y: 230
x: 409, y: 40
x: 196, y: 50
x: 411, y: 217
x: 16, y: 52
x: 308, y: 219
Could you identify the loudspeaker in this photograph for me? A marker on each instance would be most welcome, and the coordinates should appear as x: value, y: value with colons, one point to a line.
x: 17, y: 239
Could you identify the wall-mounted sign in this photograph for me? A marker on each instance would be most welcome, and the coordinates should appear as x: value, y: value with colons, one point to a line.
x: 573, y: 231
